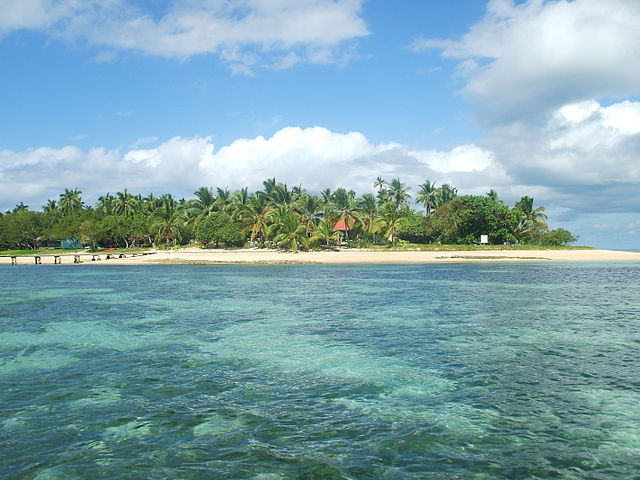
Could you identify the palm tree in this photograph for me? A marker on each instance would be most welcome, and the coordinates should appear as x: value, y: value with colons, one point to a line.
x: 391, y: 220
x: 256, y: 213
x: 223, y: 200
x: 240, y: 198
x: 368, y: 208
x: 399, y: 193
x: 493, y: 195
x: 530, y: 219
x: 427, y: 195
x: 105, y: 204
x: 149, y: 204
x: 269, y: 184
x: 309, y: 209
x: 280, y: 195
x: 21, y: 207
x: 324, y: 231
x: 345, y: 208
x: 125, y: 204
x: 70, y: 201
x: 297, y: 192
x: 205, y: 198
x: 50, y: 207
x: 380, y: 184
x: 202, y: 206
x: 288, y: 230
x: 169, y: 221
x: 326, y: 195
x: 445, y: 194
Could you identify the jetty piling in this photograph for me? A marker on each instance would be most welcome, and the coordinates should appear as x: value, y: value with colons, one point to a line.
x: 77, y: 257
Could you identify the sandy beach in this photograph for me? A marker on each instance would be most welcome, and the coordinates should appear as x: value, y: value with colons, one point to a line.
x: 346, y: 256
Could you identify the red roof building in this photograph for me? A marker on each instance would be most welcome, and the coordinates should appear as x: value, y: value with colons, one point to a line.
x: 341, y: 225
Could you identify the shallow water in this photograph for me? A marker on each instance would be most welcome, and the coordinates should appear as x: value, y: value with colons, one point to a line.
x: 471, y: 371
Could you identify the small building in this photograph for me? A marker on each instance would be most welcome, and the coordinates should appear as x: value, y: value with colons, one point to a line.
x: 342, y: 227
x: 71, y: 243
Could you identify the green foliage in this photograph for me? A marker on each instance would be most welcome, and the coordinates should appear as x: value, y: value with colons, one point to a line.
x: 288, y: 231
x: 22, y: 229
x: 281, y: 216
x: 392, y: 220
x: 120, y: 231
x: 219, y: 229
x: 463, y: 219
x: 556, y: 238
x: 414, y: 230
x: 324, y: 233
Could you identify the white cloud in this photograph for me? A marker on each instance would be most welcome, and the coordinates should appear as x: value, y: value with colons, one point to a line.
x: 244, y: 33
x: 314, y: 157
x: 31, y: 14
x: 586, y: 156
x: 525, y: 59
x: 463, y: 158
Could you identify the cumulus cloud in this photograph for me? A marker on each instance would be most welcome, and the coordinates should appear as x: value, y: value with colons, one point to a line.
x: 553, y: 83
x: 524, y: 59
x: 314, y: 157
x: 585, y: 155
x: 244, y: 33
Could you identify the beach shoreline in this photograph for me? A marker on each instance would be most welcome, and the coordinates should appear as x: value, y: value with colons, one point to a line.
x: 254, y: 256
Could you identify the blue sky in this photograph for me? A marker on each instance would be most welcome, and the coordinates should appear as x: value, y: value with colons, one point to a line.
x: 529, y: 98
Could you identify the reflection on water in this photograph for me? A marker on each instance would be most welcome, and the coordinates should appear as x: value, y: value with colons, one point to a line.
x: 280, y: 372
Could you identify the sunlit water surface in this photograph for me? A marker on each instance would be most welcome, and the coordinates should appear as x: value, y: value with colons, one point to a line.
x: 518, y: 371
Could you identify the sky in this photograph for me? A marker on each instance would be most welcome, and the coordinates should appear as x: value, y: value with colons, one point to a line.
x: 537, y: 98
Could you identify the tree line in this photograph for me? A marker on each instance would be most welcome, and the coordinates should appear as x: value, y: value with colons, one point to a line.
x: 280, y: 216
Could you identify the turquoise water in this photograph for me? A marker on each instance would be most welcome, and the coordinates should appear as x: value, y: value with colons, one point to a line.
x: 518, y: 371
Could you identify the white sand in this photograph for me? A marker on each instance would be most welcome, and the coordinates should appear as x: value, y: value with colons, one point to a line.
x: 346, y: 256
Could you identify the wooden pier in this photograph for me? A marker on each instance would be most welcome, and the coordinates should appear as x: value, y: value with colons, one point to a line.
x: 77, y: 257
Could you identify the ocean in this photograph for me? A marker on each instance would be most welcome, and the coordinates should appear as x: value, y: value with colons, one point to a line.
x: 469, y: 371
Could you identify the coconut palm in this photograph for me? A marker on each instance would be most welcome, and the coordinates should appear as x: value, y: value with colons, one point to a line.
x: 169, y: 222
x: 281, y: 195
x: 240, y: 198
x: 70, y: 201
x: 326, y: 195
x: 269, y: 184
x: 390, y: 221
x: 324, y: 232
x: 529, y: 219
x: 297, y: 192
x: 257, y: 215
x: 380, y: 183
x: 223, y: 199
x: 345, y: 208
x: 50, y: 207
x: 398, y: 193
x: 149, y: 204
x: 202, y: 206
x: 288, y: 230
x: 125, y: 204
x: 368, y: 209
x: 427, y: 195
x: 21, y: 207
x: 309, y: 209
x: 205, y: 198
x: 105, y: 204
x: 445, y: 194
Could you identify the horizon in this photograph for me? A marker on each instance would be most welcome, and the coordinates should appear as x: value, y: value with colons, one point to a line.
x: 534, y: 98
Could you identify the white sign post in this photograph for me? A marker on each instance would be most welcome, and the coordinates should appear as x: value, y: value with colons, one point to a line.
x: 484, y: 239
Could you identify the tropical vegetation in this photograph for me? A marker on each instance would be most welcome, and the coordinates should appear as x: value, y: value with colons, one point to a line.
x: 281, y: 216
